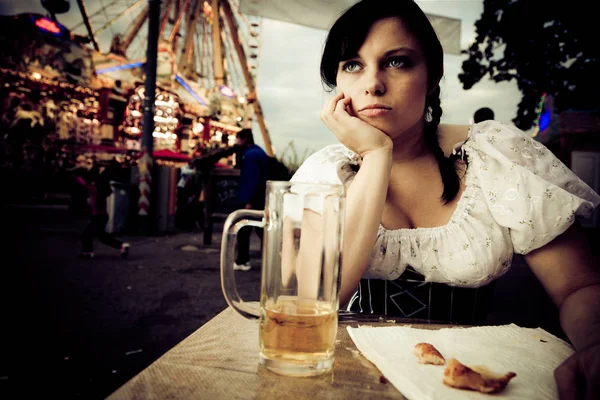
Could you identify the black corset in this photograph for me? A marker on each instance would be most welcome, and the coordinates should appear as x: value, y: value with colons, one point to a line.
x: 410, y: 297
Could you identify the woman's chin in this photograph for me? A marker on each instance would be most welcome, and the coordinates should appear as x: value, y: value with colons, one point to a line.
x: 381, y: 125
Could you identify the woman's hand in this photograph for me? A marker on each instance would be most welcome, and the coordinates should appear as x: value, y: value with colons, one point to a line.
x: 355, y: 134
x: 579, y: 376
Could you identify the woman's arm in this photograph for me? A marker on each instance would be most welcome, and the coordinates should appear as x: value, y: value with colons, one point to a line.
x: 569, y: 273
x: 367, y: 193
x: 364, y: 206
x: 571, y: 276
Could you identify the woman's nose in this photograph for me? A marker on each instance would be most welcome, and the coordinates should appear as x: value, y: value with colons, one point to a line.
x: 374, y: 84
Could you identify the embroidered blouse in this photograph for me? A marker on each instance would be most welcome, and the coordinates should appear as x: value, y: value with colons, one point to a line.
x: 518, y: 197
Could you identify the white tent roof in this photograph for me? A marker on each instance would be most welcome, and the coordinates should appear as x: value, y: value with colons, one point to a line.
x: 321, y: 14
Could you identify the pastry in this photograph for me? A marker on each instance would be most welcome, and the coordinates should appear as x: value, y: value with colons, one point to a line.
x: 427, y: 354
x: 460, y: 376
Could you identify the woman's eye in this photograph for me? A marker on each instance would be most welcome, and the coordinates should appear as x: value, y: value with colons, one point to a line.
x: 351, y: 66
x: 398, y: 62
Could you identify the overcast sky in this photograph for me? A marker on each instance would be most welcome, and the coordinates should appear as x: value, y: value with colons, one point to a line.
x: 289, y: 85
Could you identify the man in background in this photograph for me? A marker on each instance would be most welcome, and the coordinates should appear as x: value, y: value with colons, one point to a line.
x: 253, y: 184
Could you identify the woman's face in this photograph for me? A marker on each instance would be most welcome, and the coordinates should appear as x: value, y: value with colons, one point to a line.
x: 387, y: 81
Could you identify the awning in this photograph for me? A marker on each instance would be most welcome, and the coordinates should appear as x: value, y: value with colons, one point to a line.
x: 321, y: 14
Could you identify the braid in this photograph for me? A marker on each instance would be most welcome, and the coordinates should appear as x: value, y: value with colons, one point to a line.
x: 433, y: 114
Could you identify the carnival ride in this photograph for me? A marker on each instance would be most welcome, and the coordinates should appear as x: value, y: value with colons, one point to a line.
x: 208, y: 57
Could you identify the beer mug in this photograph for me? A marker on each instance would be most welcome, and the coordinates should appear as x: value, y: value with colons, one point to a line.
x: 301, y: 257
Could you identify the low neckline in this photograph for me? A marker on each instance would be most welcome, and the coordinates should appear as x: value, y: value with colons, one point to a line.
x: 458, y: 212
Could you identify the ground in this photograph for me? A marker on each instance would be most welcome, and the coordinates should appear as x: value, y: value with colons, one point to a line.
x: 81, y: 328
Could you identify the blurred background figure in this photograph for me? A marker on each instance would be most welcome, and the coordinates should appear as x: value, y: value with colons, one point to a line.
x: 483, y: 114
x: 187, y: 197
x: 97, y: 181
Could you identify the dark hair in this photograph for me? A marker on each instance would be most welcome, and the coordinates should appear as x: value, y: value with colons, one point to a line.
x: 483, y: 114
x: 246, y: 134
x: 349, y: 33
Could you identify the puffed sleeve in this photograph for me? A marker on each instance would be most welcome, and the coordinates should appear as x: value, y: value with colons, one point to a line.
x: 527, y: 188
x: 332, y: 164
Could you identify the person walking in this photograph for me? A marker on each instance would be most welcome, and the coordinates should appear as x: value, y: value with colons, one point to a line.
x: 98, y: 186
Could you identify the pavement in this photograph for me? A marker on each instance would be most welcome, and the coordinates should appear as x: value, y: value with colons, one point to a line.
x: 76, y: 328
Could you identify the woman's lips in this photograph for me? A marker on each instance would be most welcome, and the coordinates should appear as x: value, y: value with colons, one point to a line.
x: 374, y: 112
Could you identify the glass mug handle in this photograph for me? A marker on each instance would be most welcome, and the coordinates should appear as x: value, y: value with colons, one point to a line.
x: 234, y: 222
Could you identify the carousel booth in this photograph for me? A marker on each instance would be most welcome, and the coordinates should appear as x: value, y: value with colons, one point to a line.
x: 192, y: 123
x: 45, y: 70
x: 125, y: 132
x: 82, y: 103
x: 184, y: 138
x: 49, y: 106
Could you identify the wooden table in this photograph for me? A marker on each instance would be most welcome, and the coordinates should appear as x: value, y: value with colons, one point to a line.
x: 220, y: 361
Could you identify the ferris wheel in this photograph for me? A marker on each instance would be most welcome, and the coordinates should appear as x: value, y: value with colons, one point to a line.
x: 207, y: 46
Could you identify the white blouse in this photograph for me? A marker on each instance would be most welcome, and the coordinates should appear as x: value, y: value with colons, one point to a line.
x: 518, y: 197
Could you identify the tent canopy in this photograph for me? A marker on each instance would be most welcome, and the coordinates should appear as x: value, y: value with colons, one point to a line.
x: 321, y: 14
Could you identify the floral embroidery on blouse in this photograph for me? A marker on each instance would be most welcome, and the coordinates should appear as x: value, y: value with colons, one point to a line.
x: 518, y: 197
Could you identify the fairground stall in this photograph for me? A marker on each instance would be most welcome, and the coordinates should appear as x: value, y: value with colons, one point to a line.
x: 67, y: 103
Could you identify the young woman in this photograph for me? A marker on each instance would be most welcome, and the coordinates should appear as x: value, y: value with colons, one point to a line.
x: 435, y: 212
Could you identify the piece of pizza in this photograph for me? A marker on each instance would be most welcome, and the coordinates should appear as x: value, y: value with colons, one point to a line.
x: 428, y: 354
x: 460, y: 376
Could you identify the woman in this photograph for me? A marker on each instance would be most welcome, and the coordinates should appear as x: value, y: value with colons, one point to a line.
x: 444, y: 205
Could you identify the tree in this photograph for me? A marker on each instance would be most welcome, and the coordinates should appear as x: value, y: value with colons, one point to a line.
x: 547, y: 48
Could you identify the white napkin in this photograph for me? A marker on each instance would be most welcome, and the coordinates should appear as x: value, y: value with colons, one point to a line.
x: 533, y: 354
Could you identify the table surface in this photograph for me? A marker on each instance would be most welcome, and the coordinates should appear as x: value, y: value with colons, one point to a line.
x: 220, y: 360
